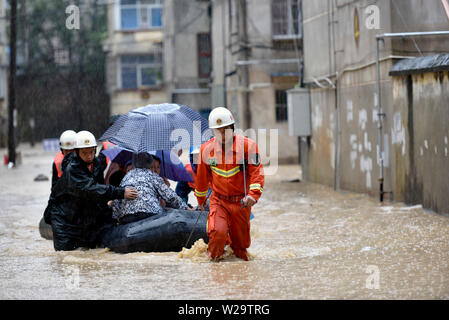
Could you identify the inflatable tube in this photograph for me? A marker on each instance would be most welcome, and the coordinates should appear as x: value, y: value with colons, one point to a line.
x: 161, y: 233
x: 45, y: 230
x: 165, y: 232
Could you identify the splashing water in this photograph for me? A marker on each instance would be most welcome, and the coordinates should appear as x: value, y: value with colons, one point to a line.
x: 307, y: 242
x: 198, y: 252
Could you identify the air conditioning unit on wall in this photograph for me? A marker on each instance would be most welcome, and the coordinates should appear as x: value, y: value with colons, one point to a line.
x: 299, y: 115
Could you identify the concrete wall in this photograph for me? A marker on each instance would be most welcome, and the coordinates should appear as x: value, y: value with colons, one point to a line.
x: 343, y: 148
x: 123, y: 101
x: 316, y: 48
x: 329, y: 43
x: 358, y: 160
x: 419, y: 15
x: 183, y: 21
x: 320, y: 155
x: 420, y: 118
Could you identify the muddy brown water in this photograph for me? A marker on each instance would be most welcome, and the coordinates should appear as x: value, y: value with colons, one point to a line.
x: 308, y: 242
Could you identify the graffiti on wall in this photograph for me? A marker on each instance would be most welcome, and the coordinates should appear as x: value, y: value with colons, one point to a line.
x: 361, y: 146
x: 398, y: 132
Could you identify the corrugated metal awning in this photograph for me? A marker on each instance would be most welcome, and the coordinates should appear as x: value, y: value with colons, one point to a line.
x: 436, y: 63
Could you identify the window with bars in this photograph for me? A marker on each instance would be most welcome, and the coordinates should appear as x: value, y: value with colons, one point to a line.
x: 140, y: 14
x: 141, y: 70
x: 281, y: 105
x: 285, y: 19
x: 62, y: 57
x: 204, y: 55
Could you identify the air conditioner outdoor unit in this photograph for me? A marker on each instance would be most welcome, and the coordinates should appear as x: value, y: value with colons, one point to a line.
x: 299, y: 117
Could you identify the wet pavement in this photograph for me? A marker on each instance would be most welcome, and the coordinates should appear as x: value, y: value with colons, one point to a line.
x: 308, y: 242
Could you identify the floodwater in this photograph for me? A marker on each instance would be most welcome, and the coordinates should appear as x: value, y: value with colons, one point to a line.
x: 308, y: 242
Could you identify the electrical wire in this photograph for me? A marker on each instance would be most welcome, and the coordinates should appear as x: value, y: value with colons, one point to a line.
x: 406, y: 27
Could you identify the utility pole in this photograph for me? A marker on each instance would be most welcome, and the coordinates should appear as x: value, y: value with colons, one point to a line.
x: 12, y: 84
x: 25, y: 32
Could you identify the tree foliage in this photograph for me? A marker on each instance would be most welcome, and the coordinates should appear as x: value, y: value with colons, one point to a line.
x: 61, y: 72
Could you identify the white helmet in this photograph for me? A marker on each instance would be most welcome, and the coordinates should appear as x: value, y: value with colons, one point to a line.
x: 220, y: 117
x: 67, y: 140
x: 85, y: 139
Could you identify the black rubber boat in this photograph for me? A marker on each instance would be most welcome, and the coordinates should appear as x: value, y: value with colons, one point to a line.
x: 45, y: 230
x: 161, y: 233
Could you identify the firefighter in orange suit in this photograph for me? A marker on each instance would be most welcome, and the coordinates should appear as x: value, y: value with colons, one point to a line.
x: 67, y: 145
x: 221, y: 164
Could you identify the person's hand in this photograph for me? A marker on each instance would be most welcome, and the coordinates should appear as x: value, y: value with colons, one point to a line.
x: 131, y: 193
x: 166, y: 182
x: 248, y: 201
x: 163, y: 203
x: 110, y: 203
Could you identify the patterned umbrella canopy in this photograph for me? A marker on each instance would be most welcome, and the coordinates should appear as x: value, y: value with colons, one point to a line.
x: 159, y: 127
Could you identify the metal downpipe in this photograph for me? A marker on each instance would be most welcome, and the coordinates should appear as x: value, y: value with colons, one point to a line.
x: 379, y: 125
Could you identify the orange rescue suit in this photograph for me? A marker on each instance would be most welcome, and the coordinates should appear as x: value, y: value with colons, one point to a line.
x: 224, y: 171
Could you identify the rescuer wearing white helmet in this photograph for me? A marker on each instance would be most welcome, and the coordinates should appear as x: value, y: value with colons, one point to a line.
x: 67, y: 142
x: 77, y: 209
x: 86, y: 146
x: 236, y: 184
x: 220, y: 117
x: 221, y: 122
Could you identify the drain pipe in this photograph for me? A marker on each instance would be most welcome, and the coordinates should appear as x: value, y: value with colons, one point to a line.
x: 380, y: 114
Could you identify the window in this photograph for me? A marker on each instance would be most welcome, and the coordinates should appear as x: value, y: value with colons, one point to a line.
x: 141, y: 70
x: 62, y: 57
x: 285, y: 19
x: 204, y: 55
x: 140, y: 14
x: 281, y: 105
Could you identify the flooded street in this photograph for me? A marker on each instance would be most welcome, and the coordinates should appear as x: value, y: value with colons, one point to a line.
x: 308, y: 242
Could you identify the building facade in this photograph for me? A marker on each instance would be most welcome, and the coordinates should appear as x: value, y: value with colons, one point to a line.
x: 257, y: 53
x: 135, y: 50
x: 187, y: 53
x: 346, y: 146
x: 206, y: 54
